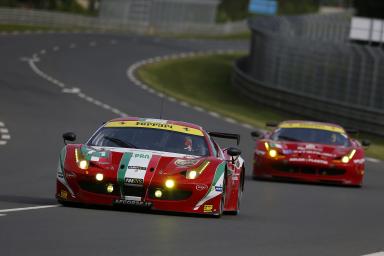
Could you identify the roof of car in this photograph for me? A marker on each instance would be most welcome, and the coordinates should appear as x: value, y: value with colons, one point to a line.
x: 312, y: 125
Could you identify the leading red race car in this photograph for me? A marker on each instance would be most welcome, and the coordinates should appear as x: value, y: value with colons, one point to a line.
x: 161, y: 164
x: 311, y: 152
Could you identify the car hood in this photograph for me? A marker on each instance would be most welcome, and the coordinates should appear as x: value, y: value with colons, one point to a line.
x: 137, y: 161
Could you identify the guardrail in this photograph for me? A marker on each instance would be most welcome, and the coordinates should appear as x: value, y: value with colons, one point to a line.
x: 73, y: 22
x: 308, y: 106
x: 330, y: 79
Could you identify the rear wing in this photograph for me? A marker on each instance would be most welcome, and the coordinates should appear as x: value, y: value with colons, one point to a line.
x: 226, y: 136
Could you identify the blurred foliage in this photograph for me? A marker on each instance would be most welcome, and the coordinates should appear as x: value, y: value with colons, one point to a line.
x: 57, y: 5
x: 370, y: 8
x: 296, y: 7
x: 233, y: 10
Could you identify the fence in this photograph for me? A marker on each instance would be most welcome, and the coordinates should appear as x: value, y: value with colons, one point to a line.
x: 71, y: 21
x: 307, y: 65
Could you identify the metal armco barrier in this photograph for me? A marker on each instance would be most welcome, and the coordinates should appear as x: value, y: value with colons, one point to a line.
x: 328, y: 79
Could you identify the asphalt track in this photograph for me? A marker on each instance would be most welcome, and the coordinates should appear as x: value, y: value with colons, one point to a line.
x: 276, y: 218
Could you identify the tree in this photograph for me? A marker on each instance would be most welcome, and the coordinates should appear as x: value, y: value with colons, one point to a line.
x: 370, y: 8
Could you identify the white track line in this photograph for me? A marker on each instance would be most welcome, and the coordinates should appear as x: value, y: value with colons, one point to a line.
x: 28, y: 208
x: 375, y: 254
x: 71, y: 90
x: 372, y: 160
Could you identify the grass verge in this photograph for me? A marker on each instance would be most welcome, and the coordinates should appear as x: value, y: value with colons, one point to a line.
x: 206, y: 82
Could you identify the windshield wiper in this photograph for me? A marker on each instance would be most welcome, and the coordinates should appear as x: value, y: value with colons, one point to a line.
x: 120, y: 142
x: 288, y: 138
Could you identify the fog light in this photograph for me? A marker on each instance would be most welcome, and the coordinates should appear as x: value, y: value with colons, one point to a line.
x: 99, y: 176
x: 110, y: 188
x: 345, y: 159
x: 272, y: 153
x: 158, y: 193
x: 83, y: 164
x: 170, y: 183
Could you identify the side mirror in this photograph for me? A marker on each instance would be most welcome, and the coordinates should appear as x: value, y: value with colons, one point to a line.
x: 234, y: 152
x: 271, y: 124
x: 69, y: 136
x: 255, y: 134
x: 365, y: 143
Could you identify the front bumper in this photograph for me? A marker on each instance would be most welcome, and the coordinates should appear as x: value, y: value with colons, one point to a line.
x: 334, y: 173
x: 182, y: 198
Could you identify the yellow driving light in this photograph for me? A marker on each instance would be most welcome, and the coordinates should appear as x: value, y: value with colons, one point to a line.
x: 345, y: 159
x: 110, y: 188
x: 192, y: 175
x: 99, y: 176
x: 83, y: 164
x: 169, y: 183
x: 272, y: 153
x: 158, y: 193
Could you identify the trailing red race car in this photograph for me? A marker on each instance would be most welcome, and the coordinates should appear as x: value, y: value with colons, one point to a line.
x: 160, y: 164
x: 311, y: 152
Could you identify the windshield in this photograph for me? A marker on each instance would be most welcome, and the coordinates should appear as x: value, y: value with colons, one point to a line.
x: 150, y: 139
x: 316, y: 136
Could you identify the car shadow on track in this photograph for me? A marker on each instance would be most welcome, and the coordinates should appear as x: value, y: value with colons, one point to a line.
x: 27, y: 200
x: 132, y: 209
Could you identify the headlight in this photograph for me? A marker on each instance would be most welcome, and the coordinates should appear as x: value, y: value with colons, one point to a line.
x: 82, y: 163
x: 347, y: 158
x: 99, y: 177
x: 194, y: 173
x: 169, y: 183
x: 186, y: 162
x: 272, y: 153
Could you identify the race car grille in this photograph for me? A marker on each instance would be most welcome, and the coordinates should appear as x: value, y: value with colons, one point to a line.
x: 170, y: 194
x: 309, y: 170
x: 98, y: 187
x: 133, y: 190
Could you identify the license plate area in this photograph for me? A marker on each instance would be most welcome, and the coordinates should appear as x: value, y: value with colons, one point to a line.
x: 132, y: 203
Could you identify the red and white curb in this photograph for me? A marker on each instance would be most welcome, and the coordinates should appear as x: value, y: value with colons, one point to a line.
x: 4, y: 134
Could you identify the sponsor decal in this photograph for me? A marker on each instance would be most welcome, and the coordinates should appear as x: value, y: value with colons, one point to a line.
x: 145, y: 156
x: 156, y: 125
x: 200, y: 187
x: 134, y: 181
x: 137, y: 168
x: 219, y: 188
x: 132, y: 203
x: 309, y: 125
x: 308, y: 160
x: 359, y: 161
x: 63, y: 194
x: 287, y: 151
x: 208, y: 208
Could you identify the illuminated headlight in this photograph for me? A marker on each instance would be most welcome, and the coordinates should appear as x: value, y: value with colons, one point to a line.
x: 169, y: 183
x: 99, y: 176
x: 191, y: 174
x: 186, y: 162
x: 81, y: 162
x: 272, y: 153
x: 194, y: 173
x: 158, y: 193
x: 347, y: 158
x: 110, y: 188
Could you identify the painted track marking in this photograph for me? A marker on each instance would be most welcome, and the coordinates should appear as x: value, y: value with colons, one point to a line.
x: 4, y: 134
x: 67, y: 89
x: 27, y: 209
x: 375, y: 254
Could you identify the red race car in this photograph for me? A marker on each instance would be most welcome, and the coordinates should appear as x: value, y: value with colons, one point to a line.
x: 159, y: 164
x: 309, y: 151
